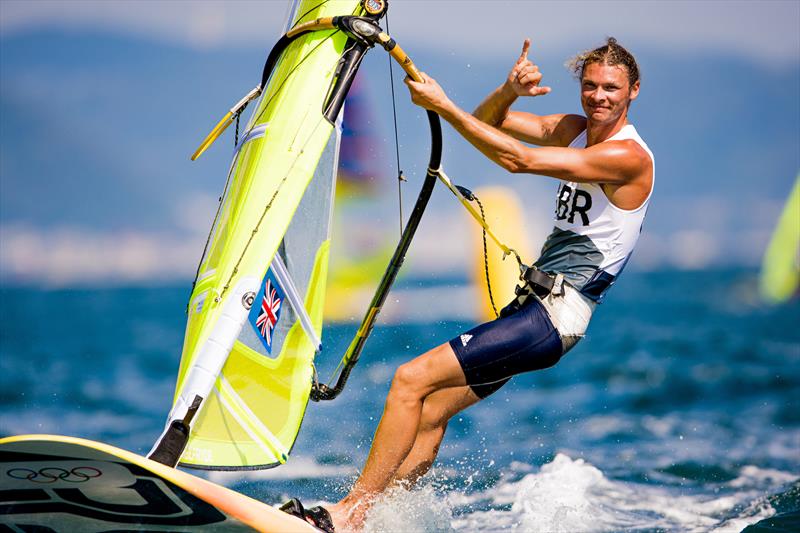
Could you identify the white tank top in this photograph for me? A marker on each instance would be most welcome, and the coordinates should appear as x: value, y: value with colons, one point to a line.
x: 592, y: 239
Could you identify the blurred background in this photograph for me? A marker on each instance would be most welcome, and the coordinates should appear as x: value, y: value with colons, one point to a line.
x: 679, y: 411
x: 102, y: 103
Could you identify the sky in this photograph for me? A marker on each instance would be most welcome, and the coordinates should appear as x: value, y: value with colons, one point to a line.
x: 766, y: 30
x: 103, y: 101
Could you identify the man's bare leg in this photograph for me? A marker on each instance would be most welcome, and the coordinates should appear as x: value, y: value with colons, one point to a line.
x: 437, y: 410
x: 435, y: 370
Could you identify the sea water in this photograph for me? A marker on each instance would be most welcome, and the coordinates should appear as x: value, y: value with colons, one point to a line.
x: 680, y: 411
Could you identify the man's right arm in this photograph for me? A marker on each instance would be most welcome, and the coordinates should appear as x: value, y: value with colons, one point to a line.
x: 496, y: 107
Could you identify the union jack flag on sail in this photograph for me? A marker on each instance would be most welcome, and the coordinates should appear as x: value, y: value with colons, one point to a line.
x: 267, y: 310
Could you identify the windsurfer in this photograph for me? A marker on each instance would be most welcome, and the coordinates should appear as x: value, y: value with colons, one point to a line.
x: 606, y: 173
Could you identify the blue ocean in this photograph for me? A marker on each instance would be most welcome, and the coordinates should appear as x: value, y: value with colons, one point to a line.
x: 680, y: 411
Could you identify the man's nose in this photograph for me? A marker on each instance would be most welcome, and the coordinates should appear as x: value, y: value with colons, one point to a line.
x: 598, y: 95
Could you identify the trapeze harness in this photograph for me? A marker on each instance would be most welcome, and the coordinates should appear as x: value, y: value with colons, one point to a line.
x: 581, y: 259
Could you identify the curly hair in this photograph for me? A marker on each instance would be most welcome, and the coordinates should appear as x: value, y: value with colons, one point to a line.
x: 612, y: 53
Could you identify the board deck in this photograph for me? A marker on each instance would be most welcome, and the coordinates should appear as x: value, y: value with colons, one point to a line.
x: 57, y: 483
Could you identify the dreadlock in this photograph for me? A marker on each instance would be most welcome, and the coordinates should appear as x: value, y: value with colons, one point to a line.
x: 612, y: 53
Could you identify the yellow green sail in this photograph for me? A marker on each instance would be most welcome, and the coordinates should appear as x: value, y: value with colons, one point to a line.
x: 780, y: 271
x: 275, y: 213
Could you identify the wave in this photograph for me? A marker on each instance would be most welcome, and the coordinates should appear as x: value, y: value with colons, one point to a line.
x: 571, y: 495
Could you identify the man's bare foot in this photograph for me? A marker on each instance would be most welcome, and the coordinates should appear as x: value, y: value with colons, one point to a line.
x: 340, y: 516
x: 349, y: 514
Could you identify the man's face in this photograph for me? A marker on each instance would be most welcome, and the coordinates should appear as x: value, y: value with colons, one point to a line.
x: 606, y: 92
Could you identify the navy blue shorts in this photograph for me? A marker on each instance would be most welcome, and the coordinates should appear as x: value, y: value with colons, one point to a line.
x: 520, y: 342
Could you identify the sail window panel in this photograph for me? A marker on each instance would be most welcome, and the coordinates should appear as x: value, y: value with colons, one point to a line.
x: 294, y: 298
x: 310, y: 226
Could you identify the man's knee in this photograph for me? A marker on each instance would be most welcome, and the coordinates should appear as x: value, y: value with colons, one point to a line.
x: 435, y: 416
x: 406, y: 385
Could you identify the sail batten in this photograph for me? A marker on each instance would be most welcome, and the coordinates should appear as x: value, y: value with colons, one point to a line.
x: 294, y: 299
x: 248, y: 420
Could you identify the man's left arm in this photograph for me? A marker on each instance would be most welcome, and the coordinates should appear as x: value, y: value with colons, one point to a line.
x: 614, y: 162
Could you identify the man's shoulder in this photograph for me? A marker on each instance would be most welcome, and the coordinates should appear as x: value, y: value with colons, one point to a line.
x: 638, y: 153
x: 633, y: 143
x: 568, y: 129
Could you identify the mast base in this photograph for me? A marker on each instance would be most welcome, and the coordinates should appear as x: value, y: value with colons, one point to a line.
x: 169, y: 449
x: 171, y: 446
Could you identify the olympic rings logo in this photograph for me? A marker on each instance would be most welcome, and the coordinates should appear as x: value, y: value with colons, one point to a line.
x: 79, y: 474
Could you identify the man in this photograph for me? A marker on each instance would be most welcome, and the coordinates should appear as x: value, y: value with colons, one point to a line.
x: 606, y: 174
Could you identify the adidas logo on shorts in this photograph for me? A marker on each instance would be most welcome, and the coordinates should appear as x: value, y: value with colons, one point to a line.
x: 465, y: 339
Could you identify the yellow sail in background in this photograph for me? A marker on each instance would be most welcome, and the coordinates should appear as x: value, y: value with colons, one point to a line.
x: 504, y: 214
x: 780, y: 271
